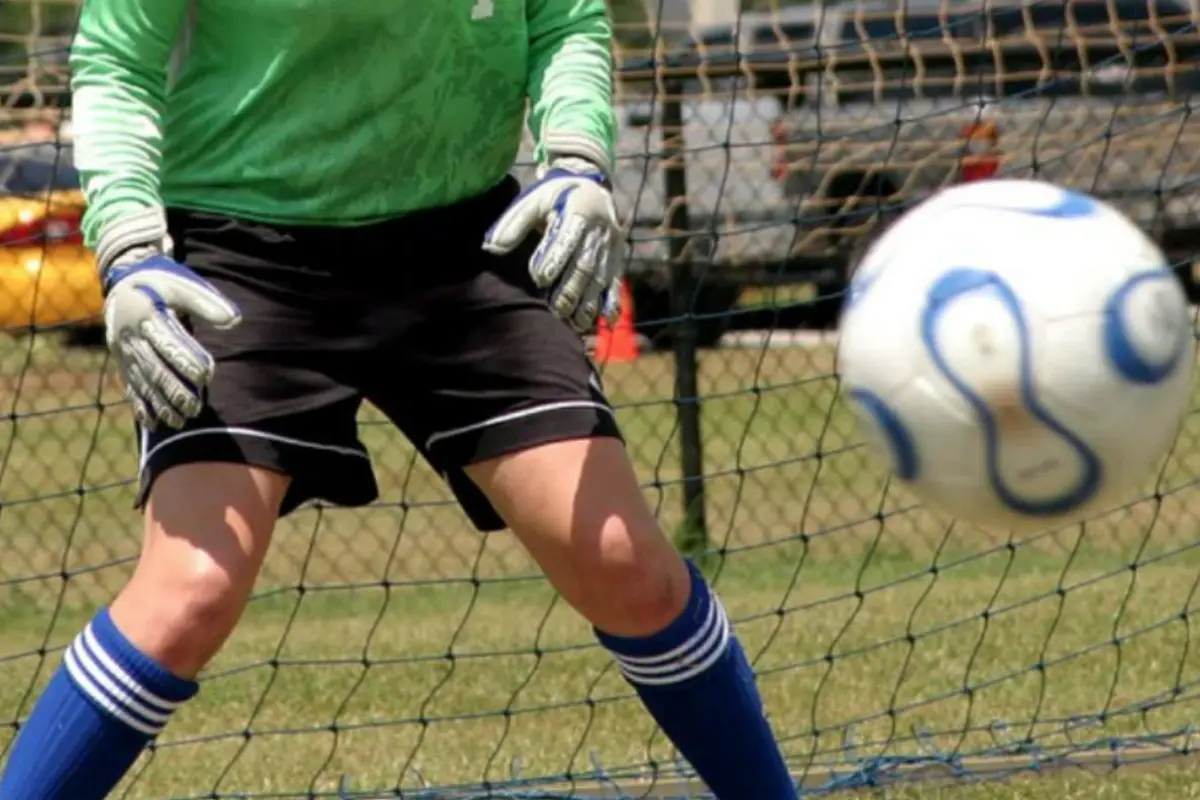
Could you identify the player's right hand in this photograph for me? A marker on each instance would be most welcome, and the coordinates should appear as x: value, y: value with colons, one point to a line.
x: 164, y: 368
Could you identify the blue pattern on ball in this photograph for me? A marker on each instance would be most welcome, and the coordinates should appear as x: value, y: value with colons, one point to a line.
x: 1123, y: 354
x: 905, y: 463
x: 953, y: 285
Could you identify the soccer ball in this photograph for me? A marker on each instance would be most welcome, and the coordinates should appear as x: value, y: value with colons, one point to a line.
x: 1022, y: 354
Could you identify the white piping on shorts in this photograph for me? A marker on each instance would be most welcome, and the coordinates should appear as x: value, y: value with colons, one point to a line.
x: 515, y: 415
x: 274, y: 437
x: 148, y: 452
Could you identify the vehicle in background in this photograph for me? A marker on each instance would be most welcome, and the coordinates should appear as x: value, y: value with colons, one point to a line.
x: 799, y: 131
x: 1090, y: 94
x: 838, y: 117
x: 47, y: 277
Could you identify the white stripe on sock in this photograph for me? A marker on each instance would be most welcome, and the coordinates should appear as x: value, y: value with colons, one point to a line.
x: 696, y: 656
x: 704, y: 652
x: 702, y: 633
x: 124, y: 678
x: 127, y: 701
x: 91, y: 690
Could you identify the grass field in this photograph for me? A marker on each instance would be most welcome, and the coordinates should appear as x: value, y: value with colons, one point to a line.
x: 393, y: 646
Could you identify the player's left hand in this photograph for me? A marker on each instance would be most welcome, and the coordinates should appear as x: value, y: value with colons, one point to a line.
x: 572, y: 206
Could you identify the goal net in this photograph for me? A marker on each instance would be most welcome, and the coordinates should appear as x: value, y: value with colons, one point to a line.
x: 391, y: 651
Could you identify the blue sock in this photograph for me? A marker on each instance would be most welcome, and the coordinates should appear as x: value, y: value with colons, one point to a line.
x: 695, y: 680
x: 103, y: 704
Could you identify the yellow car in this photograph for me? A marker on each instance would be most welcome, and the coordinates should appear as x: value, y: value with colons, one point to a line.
x: 47, y: 277
x: 54, y: 285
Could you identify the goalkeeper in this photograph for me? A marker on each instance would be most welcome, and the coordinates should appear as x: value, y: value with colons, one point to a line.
x: 297, y: 205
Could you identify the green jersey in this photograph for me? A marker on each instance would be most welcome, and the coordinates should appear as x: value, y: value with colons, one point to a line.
x: 328, y: 112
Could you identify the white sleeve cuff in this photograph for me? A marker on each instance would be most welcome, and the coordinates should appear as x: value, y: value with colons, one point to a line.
x: 576, y: 144
x: 140, y: 229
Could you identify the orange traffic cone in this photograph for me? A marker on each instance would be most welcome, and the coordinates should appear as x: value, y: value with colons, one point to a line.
x: 618, y: 342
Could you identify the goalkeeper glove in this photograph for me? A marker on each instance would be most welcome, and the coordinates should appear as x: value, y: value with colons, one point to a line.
x: 164, y: 368
x: 571, y: 204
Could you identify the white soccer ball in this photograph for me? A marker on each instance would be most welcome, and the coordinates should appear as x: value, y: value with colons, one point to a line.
x: 1022, y: 354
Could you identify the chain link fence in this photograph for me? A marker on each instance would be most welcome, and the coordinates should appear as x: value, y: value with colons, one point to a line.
x: 755, y: 159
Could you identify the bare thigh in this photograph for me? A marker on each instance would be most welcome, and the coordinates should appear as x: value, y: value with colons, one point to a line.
x: 207, y: 530
x: 577, y: 508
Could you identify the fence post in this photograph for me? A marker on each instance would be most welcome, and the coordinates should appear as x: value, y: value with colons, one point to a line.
x: 692, y: 535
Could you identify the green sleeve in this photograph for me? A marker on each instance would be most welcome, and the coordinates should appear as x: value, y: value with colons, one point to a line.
x: 119, y: 62
x: 570, y: 79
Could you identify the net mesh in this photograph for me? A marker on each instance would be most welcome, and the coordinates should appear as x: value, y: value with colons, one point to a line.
x: 391, y: 649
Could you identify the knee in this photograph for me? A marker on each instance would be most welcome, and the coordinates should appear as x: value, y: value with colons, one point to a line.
x: 199, y: 562
x: 590, y: 530
x: 182, y: 615
x: 634, y: 583
x: 206, y: 600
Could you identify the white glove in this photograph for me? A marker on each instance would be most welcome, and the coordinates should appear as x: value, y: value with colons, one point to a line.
x: 572, y: 207
x: 164, y: 368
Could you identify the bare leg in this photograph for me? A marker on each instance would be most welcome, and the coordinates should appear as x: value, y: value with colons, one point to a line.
x: 577, y: 507
x: 589, y: 528
x: 207, y: 530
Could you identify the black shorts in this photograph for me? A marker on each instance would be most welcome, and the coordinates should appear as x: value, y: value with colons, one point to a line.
x: 453, y: 345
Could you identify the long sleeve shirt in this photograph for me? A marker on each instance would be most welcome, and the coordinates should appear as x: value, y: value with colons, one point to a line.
x: 329, y: 112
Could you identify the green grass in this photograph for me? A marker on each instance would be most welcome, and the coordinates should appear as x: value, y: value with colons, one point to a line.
x: 393, y: 645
